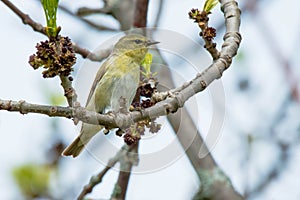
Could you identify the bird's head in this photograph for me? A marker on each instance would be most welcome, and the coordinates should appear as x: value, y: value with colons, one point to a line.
x: 133, y: 45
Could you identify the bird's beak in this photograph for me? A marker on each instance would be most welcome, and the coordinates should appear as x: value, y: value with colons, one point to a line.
x: 149, y: 43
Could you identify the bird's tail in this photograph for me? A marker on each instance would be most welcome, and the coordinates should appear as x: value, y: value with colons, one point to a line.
x: 86, y: 134
x: 74, y: 148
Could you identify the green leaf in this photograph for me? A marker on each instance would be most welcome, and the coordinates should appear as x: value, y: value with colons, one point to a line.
x: 209, y: 5
x: 32, y: 179
x: 146, y: 64
x: 50, y: 9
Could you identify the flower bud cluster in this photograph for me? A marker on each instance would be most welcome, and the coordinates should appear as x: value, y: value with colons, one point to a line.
x: 56, y: 56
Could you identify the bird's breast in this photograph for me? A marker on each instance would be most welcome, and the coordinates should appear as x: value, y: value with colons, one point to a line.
x: 121, y: 79
x: 125, y: 87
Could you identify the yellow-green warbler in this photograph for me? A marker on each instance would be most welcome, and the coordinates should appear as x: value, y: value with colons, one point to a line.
x: 118, y: 77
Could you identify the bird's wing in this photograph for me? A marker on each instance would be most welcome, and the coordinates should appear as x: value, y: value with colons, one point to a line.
x: 97, y: 79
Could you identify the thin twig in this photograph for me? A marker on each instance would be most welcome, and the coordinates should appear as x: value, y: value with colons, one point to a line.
x: 69, y: 91
x: 99, y: 56
x: 96, y: 179
x: 91, y: 24
x: 25, y: 18
x: 207, y: 33
x: 84, y: 11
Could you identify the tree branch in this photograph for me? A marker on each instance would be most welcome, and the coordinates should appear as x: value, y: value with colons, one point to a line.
x: 39, y: 28
x: 140, y: 14
x: 25, y: 108
x: 175, y: 98
x: 214, y: 183
x: 187, y: 131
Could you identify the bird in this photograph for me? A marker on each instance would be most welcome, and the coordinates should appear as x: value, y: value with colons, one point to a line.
x: 118, y: 77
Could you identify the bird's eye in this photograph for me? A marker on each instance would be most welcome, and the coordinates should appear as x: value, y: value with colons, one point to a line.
x: 137, y: 41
